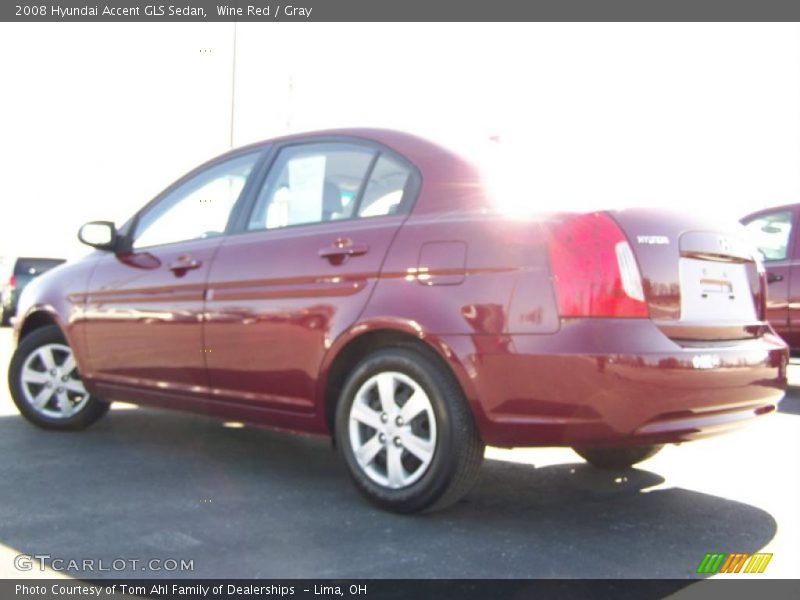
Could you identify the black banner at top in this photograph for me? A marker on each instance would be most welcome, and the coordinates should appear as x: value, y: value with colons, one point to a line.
x: 399, y: 10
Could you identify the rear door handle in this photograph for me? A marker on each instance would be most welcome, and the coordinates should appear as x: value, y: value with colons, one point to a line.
x: 773, y: 277
x: 184, y: 264
x: 341, y: 249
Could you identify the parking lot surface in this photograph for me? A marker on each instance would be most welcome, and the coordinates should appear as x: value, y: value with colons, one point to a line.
x: 242, y: 502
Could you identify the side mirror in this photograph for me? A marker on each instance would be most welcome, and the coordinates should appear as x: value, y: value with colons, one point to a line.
x: 99, y: 234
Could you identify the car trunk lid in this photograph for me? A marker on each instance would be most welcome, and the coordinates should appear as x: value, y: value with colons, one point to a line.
x: 700, y: 283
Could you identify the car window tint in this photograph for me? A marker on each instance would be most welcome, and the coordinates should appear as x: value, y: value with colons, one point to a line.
x: 198, y: 208
x: 35, y: 266
x: 386, y: 188
x: 311, y: 183
x: 770, y: 234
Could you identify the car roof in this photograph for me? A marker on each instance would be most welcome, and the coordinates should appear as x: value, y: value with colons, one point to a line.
x: 770, y: 209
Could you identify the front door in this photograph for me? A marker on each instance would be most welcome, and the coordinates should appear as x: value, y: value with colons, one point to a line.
x: 145, y: 306
x: 302, y: 269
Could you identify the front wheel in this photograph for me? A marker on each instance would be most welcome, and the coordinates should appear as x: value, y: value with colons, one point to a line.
x: 46, y: 386
x: 406, y: 433
x: 616, y: 458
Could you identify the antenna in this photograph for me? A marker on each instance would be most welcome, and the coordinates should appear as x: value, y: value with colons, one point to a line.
x: 233, y: 81
x: 289, y: 95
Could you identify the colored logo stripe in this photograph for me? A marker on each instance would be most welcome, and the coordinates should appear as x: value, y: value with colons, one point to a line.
x: 710, y: 563
x: 733, y: 563
x: 758, y: 563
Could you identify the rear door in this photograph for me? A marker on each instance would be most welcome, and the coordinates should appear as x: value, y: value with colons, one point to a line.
x: 773, y: 233
x: 301, y: 269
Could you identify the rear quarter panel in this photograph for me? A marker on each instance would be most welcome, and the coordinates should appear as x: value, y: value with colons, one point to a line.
x: 438, y: 297
x: 502, y: 288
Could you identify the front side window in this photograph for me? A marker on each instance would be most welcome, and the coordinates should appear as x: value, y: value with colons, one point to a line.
x: 198, y: 208
x: 771, y: 233
x: 311, y: 183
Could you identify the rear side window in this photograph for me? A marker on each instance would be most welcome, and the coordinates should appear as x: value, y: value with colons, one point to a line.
x: 311, y: 183
x: 386, y: 190
x: 771, y: 234
x: 35, y: 266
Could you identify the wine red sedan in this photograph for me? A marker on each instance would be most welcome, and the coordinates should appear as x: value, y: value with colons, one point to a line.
x: 364, y: 284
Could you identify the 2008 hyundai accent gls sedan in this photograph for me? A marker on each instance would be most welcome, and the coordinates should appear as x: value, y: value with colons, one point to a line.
x: 363, y: 284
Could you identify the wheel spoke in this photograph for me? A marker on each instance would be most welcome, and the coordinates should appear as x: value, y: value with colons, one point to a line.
x: 416, y: 404
x: 386, y: 392
x: 64, y: 405
x: 367, y: 453
x: 31, y: 376
x: 394, y: 466
x: 42, y: 398
x: 46, y: 356
x: 421, y: 448
x: 364, y: 414
x: 75, y: 386
x: 69, y: 364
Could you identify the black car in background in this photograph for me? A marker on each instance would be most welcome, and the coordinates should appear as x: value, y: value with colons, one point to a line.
x: 23, y: 271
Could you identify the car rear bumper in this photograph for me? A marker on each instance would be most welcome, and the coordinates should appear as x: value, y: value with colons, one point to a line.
x: 616, y: 382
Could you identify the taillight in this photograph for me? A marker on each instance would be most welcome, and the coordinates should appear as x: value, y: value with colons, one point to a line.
x: 12, y: 282
x: 594, y: 270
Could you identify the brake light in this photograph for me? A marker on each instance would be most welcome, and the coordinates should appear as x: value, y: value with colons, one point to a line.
x: 594, y: 270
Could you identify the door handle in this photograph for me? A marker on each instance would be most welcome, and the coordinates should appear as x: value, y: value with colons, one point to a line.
x: 341, y: 249
x: 773, y: 277
x: 184, y: 264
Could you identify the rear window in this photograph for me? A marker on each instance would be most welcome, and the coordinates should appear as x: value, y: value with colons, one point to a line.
x: 35, y: 266
x: 771, y: 233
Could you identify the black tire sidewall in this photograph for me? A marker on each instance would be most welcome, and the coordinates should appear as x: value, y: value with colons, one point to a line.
x: 435, y: 481
x: 91, y: 411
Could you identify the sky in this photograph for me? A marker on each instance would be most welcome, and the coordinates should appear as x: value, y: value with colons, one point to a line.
x: 97, y: 119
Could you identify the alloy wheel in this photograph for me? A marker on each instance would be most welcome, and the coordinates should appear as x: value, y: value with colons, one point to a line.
x: 50, y: 382
x: 392, y: 429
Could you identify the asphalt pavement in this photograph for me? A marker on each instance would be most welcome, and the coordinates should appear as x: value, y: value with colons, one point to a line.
x: 243, y: 502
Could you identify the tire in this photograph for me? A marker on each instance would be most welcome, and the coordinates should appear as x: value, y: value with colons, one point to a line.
x: 43, y: 361
x: 616, y: 458
x: 447, y: 450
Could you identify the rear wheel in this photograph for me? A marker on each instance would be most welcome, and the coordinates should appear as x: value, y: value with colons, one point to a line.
x: 406, y: 432
x: 46, y: 386
x: 616, y: 458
